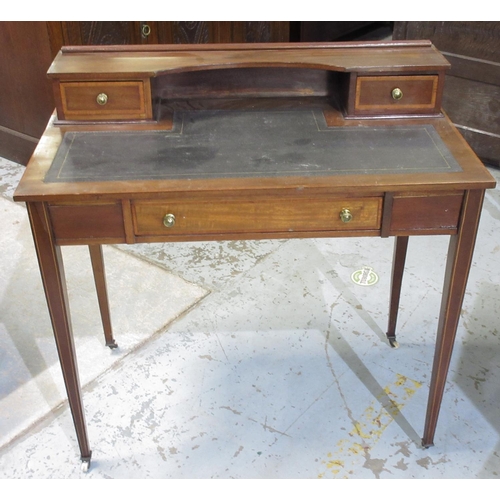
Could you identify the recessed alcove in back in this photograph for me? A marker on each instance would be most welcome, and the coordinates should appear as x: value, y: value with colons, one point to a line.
x: 251, y: 87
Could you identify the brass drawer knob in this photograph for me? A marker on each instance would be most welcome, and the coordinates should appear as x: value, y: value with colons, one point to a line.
x: 101, y: 99
x: 397, y: 94
x: 145, y: 30
x: 345, y: 215
x: 169, y: 220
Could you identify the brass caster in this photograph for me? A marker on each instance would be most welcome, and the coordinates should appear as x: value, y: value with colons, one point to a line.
x: 393, y: 343
x: 426, y: 446
x: 85, y: 465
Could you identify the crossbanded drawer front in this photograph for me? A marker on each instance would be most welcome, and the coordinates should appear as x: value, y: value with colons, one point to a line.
x: 396, y: 94
x: 104, y: 100
x: 263, y: 216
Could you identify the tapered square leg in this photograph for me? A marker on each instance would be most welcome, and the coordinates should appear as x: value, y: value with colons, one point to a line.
x: 398, y: 266
x: 54, y: 283
x: 460, y: 253
x: 97, y: 260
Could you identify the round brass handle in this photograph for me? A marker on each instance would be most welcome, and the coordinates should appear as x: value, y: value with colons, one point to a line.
x: 101, y: 99
x: 169, y: 220
x: 145, y: 30
x: 397, y: 94
x: 345, y: 215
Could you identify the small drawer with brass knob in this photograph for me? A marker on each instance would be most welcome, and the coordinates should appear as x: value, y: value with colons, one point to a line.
x: 389, y: 95
x: 104, y: 100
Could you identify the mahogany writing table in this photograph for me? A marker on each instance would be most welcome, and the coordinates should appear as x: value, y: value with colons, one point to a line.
x: 257, y: 141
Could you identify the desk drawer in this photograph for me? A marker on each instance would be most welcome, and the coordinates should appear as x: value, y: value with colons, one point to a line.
x: 105, y: 100
x: 255, y: 216
x: 396, y: 94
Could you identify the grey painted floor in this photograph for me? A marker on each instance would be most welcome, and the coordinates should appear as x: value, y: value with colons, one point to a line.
x: 249, y: 360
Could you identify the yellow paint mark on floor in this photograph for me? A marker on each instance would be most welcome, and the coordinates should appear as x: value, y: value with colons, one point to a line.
x: 368, y: 429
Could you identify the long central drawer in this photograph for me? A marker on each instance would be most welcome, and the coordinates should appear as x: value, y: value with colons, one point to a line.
x: 153, y: 217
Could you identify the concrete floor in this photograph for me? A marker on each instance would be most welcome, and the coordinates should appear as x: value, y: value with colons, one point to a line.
x: 249, y: 360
